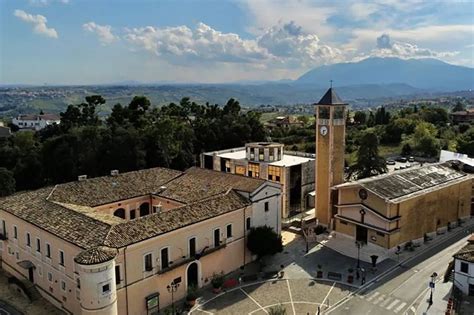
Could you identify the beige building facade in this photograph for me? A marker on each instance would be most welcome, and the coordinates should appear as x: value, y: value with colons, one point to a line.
x: 294, y: 171
x: 112, y: 245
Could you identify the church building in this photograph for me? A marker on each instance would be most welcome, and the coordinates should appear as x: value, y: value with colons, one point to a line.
x: 387, y: 210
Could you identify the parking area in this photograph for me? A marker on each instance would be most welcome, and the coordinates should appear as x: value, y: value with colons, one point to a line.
x: 296, y: 296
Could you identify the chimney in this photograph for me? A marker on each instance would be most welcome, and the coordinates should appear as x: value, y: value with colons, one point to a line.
x: 114, y: 172
x: 81, y: 177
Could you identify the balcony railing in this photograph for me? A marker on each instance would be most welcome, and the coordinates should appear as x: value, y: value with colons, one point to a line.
x: 182, y: 261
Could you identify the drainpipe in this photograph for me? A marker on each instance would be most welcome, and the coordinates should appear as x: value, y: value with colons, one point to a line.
x: 126, y: 281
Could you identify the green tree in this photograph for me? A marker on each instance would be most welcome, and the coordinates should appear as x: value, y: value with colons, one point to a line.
x: 7, y: 182
x: 264, y: 241
x: 459, y: 107
x: 466, y: 142
x: 360, y: 118
x: 392, y: 133
x: 368, y: 162
x: 371, y: 120
x: 406, y: 149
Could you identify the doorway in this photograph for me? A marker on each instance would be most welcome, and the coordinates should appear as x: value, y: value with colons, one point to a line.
x: 361, y: 234
x: 31, y: 274
x: 192, y: 275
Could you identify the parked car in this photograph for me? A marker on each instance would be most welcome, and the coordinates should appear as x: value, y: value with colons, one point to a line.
x: 391, y: 162
x: 402, y: 159
x: 411, y: 159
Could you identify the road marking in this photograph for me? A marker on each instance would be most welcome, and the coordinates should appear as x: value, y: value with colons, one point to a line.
x: 385, y: 302
x: 254, y: 300
x: 200, y: 309
x: 372, y: 296
x: 400, y: 307
x: 393, y: 304
x: 325, y: 298
x: 380, y: 299
x: 291, y: 297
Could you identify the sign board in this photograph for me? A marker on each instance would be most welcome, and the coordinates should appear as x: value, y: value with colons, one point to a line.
x: 432, y: 285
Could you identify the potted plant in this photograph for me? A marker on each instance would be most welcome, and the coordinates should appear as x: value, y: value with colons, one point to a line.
x: 320, y: 272
x: 192, y: 296
x: 350, y: 276
x: 217, y: 281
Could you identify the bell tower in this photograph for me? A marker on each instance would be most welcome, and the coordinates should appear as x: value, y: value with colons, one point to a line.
x: 330, y: 139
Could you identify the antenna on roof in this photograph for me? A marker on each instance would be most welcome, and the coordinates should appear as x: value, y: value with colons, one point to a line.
x: 330, y: 82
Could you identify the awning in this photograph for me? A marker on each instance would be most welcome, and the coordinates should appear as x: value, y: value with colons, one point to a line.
x: 26, y: 264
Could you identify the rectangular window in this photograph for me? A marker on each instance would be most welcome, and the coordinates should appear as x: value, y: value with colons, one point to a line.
x: 106, y: 288
x: 117, y: 275
x: 4, y: 228
x: 78, y: 283
x: 254, y: 170
x: 471, y: 290
x: 274, y: 172
x: 63, y: 285
x: 15, y: 232
x: 192, y: 247
x: 261, y: 157
x: 28, y: 239
x: 266, y: 207
x: 61, y: 258
x: 50, y: 277
x: 132, y: 214
x: 247, y: 224
x: 148, y: 262
x: 323, y: 112
x: 164, y: 258
x: 217, y: 237
x: 464, y: 267
x: 38, y: 245
x: 229, y: 230
x: 48, y: 250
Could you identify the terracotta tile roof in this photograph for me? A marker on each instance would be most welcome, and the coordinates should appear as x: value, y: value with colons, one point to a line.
x: 198, y: 183
x: 67, y: 224
x: 95, y: 255
x: 66, y: 210
x: 159, y: 223
x: 102, y: 190
x: 466, y: 253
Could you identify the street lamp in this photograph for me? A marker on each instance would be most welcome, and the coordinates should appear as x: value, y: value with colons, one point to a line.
x: 358, y: 244
x: 172, y: 288
x: 432, y: 285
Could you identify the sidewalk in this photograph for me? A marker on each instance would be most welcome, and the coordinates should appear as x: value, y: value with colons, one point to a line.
x: 441, y: 295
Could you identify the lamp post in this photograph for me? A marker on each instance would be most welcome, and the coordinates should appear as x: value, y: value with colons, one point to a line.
x: 358, y: 244
x: 172, y: 288
x: 432, y: 285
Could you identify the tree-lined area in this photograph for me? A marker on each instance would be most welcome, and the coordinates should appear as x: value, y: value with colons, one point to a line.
x: 134, y: 136
x: 138, y: 135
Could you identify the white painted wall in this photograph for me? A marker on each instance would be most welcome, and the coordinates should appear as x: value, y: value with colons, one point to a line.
x: 461, y: 279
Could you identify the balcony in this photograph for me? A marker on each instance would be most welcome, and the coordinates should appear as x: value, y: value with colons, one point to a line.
x: 183, y: 261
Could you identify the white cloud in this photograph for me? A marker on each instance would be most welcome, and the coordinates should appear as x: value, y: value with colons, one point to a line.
x: 103, y: 32
x: 388, y: 48
x: 182, y: 44
x: 46, y: 2
x: 39, y: 23
x: 284, y: 45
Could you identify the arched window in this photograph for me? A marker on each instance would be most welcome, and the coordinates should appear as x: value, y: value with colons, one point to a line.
x: 120, y: 212
x: 144, y: 209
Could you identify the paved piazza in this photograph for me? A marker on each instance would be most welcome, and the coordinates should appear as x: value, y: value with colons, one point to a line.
x: 298, y: 296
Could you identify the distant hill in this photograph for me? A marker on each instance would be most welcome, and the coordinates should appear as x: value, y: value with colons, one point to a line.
x: 428, y: 74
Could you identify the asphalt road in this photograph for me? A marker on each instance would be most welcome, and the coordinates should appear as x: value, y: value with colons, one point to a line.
x: 401, y: 290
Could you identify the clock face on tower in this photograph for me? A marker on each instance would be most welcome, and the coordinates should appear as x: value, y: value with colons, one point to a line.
x: 323, y: 130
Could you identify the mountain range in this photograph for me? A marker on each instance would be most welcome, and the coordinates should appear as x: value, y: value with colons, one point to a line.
x: 427, y: 73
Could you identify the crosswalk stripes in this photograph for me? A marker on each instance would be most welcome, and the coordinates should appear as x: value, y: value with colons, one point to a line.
x: 390, y: 303
x: 400, y: 307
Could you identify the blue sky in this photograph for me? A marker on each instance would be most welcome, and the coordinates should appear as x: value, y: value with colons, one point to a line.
x: 88, y: 42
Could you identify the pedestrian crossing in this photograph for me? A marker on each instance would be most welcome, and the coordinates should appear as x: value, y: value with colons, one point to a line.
x: 390, y: 303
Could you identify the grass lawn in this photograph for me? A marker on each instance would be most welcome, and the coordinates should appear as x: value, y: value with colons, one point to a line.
x: 390, y: 150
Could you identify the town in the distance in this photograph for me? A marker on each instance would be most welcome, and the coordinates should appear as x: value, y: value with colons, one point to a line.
x: 163, y: 175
